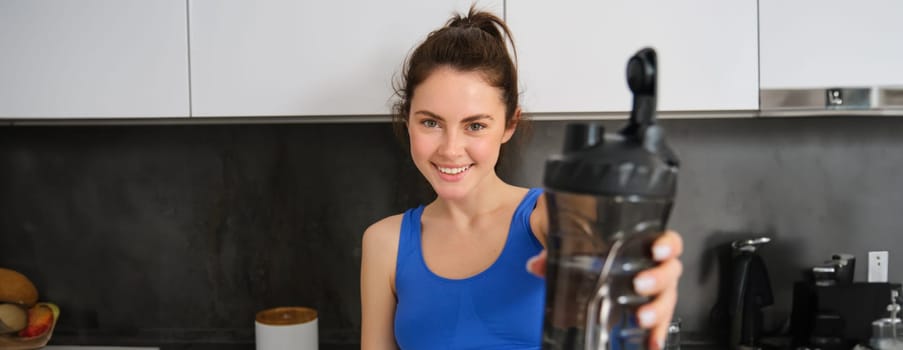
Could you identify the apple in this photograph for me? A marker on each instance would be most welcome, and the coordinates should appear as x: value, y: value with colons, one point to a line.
x: 40, y: 318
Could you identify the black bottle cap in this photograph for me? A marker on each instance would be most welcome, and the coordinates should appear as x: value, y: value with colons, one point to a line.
x: 634, y: 161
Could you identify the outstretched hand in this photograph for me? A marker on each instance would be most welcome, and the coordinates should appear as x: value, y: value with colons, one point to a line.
x: 660, y: 281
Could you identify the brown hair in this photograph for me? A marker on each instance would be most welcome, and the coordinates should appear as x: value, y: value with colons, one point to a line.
x: 475, y: 42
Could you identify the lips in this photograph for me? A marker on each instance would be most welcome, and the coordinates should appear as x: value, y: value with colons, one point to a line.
x: 452, y: 173
x: 452, y: 170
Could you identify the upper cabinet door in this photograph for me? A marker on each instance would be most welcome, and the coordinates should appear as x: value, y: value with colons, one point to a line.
x: 93, y: 59
x: 831, y: 43
x: 573, y: 54
x: 289, y: 57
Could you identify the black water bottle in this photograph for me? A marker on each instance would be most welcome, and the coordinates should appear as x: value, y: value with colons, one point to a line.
x: 609, y: 197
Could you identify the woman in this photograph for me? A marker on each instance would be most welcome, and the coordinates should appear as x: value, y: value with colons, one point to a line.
x: 451, y: 274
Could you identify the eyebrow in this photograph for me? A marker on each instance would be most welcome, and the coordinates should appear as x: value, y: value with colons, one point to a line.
x: 466, y: 120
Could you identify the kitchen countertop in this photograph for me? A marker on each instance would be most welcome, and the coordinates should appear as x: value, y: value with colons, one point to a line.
x: 178, y: 340
x: 251, y: 347
x: 90, y: 347
x: 187, y: 347
x: 690, y: 341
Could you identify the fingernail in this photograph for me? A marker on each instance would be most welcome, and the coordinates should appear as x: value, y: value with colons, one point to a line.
x: 643, y: 284
x: 647, y: 318
x: 661, y: 342
x: 661, y: 252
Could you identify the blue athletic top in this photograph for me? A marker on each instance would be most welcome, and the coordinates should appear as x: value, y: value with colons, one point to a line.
x: 499, y: 308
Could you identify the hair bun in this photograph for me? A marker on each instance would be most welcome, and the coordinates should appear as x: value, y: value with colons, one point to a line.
x: 484, y: 21
x: 475, y: 42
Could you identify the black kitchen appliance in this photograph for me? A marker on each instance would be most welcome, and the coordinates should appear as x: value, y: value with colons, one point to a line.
x: 832, y: 315
x: 744, y: 291
x: 751, y: 292
x: 839, y: 270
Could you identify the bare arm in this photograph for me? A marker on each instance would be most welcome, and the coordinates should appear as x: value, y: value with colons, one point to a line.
x: 378, y: 300
x: 539, y: 221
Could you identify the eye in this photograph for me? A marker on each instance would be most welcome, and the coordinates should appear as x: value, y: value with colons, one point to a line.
x: 475, y: 127
x: 430, y: 123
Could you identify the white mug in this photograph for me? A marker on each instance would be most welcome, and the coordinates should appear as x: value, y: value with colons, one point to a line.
x: 286, y: 328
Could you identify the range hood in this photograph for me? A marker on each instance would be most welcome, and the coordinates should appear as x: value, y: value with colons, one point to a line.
x: 832, y: 101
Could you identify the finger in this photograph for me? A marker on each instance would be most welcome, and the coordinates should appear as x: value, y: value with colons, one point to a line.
x: 669, y: 245
x: 537, y: 264
x: 656, y: 316
x: 658, y: 279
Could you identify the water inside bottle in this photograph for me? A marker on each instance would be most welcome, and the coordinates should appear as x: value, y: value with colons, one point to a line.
x: 586, y: 233
x: 577, y: 277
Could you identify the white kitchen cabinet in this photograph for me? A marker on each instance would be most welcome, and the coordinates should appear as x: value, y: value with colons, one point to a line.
x: 830, y: 43
x: 93, y: 59
x: 291, y: 58
x: 573, y: 54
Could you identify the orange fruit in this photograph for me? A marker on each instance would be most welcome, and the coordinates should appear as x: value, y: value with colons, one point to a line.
x: 16, y: 288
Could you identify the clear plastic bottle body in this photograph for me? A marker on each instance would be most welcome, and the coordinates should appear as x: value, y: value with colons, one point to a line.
x: 596, y: 246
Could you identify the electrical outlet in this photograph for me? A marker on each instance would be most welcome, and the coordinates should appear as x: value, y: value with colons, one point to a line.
x: 878, y: 262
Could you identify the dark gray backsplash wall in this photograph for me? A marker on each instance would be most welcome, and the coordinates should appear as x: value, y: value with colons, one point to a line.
x: 157, y: 230
x: 182, y: 233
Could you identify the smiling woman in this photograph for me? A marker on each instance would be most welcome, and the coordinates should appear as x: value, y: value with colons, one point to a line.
x: 453, y: 272
x: 456, y: 130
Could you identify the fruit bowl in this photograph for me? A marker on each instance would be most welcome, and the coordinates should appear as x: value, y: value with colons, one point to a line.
x: 16, y: 342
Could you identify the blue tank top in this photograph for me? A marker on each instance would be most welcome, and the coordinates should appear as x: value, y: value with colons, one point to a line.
x: 499, y: 308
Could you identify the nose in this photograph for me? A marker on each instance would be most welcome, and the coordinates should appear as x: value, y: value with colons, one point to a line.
x: 452, y: 144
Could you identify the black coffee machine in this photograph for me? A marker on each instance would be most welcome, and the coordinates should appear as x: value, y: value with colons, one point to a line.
x: 831, y: 311
x: 744, y: 290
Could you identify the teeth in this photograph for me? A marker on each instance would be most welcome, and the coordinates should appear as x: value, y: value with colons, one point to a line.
x: 453, y: 171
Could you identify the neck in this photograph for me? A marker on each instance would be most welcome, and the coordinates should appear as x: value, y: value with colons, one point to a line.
x: 486, y: 198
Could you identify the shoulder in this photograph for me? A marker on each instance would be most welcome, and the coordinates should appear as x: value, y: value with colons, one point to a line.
x: 384, y: 234
x: 379, y: 251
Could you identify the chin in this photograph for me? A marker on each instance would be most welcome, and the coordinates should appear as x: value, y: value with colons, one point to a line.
x: 451, y: 192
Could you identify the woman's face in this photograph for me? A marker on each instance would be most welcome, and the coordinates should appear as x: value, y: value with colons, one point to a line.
x: 457, y: 127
